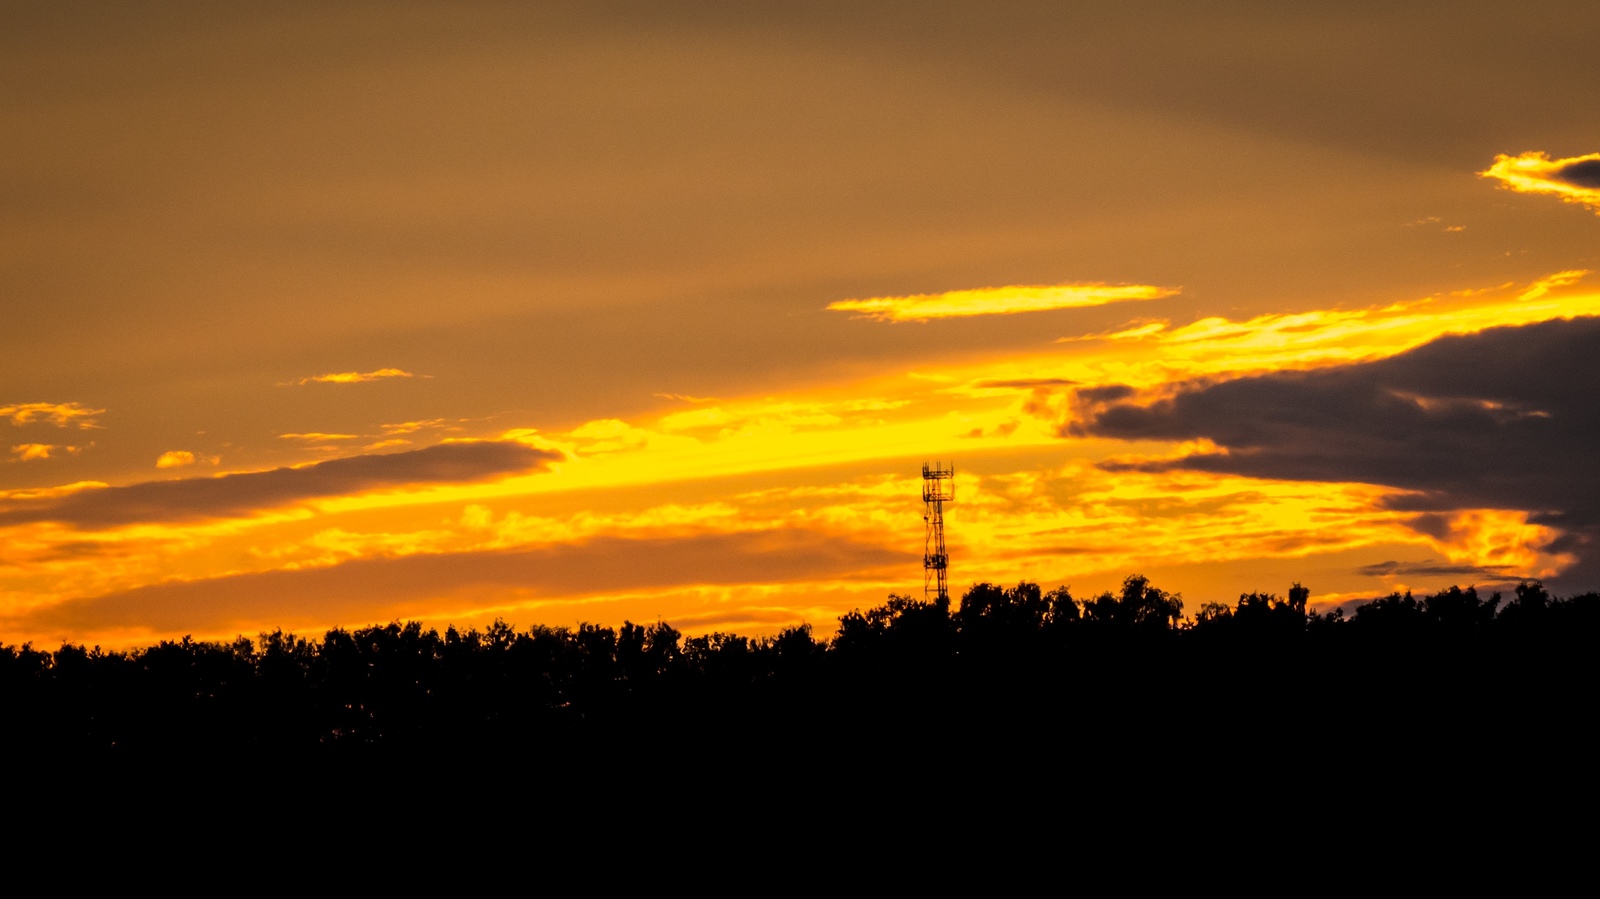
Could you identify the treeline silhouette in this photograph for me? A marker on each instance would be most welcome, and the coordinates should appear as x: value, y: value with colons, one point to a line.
x: 1008, y: 667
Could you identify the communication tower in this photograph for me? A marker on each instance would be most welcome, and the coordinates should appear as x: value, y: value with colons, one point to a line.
x: 938, y: 488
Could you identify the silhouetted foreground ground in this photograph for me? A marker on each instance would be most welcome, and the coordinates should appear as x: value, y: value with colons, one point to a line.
x: 1013, y: 677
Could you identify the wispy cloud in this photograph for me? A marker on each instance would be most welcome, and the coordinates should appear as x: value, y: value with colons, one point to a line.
x: 317, y: 437
x: 357, y: 377
x: 59, y: 414
x: 1575, y: 179
x: 999, y: 301
x: 242, y: 494
x: 1548, y: 283
x: 1435, y: 220
x: 411, y: 427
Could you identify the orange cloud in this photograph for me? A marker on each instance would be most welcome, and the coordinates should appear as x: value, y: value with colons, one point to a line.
x: 180, y: 458
x: 317, y: 437
x: 1575, y: 179
x: 357, y: 377
x: 998, y: 301
x: 59, y: 414
x: 28, y: 451
x: 1497, y: 539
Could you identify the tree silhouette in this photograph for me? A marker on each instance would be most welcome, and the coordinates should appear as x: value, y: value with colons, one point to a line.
x: 1016, y: 667
x: 1139, y: 605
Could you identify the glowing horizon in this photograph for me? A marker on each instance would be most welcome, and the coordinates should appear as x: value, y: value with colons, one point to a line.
x: 972, y: 410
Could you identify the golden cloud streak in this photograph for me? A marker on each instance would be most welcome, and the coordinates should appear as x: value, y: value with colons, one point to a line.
x: 998, y: 301
x: 34, y: 493
x: 1575, y: 179
x: 59, y: 414
x: 411, y: 427
x: 1218, y: 346
x: 357, y: 377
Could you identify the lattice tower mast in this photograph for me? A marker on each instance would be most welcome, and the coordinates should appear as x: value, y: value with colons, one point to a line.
x: 938, y: 488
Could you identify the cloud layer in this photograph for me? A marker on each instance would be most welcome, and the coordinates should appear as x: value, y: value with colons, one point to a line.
x: 240, y: 494
x: 1499, y: 419
x: 998, y: 301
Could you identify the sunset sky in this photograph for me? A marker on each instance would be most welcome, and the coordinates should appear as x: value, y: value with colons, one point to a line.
x: 331, y: 314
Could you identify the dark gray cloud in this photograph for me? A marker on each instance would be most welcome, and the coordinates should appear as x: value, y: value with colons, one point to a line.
x: 1108, y: 393
x: 1428, y: 568
x: 1505, y: 418
x: 235, y: 494
x: 1583, y: 174
x: 384, y: 588
x: 1027, y: 383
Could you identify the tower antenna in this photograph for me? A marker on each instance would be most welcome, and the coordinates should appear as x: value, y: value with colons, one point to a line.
x: 938, y: 488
